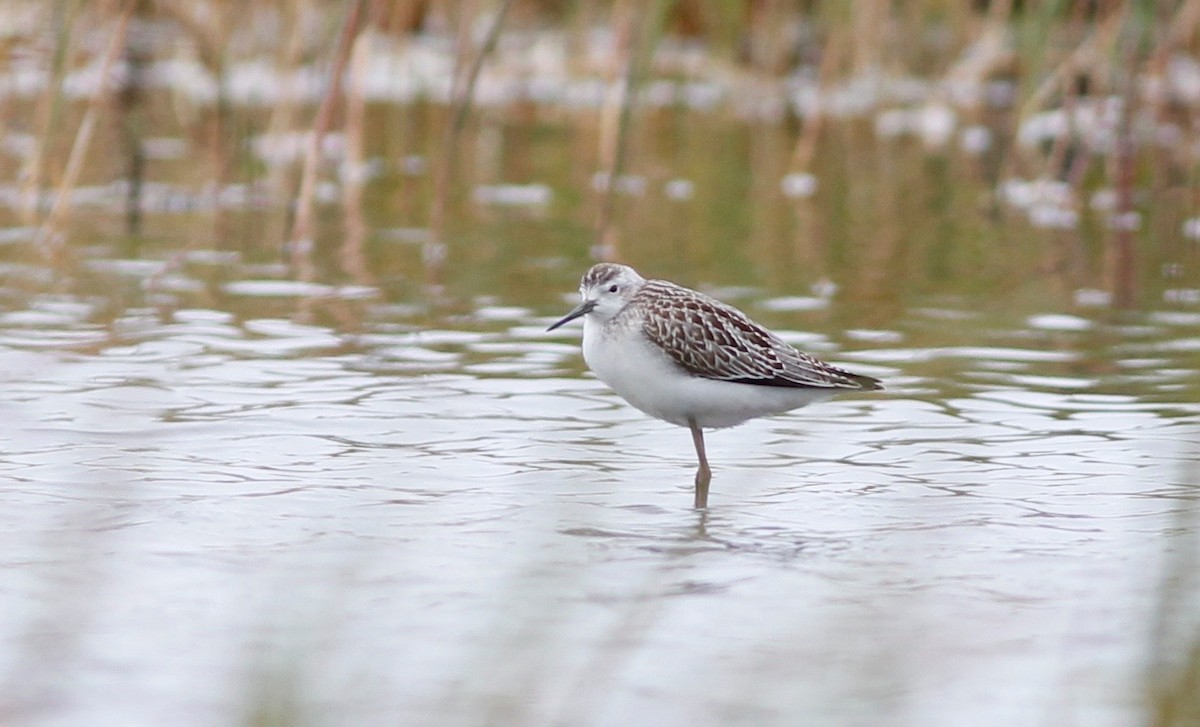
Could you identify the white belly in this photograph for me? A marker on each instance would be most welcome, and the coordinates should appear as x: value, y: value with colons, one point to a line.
x: 645, y: 377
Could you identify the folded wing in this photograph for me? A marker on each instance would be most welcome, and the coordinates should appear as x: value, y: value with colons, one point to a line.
x: 710, y: 339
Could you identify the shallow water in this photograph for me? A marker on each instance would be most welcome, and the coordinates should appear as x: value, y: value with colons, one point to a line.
x: 371, y: 489
x: 205, y: 511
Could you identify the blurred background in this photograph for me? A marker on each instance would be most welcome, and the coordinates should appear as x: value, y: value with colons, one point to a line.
x: 286, y: 443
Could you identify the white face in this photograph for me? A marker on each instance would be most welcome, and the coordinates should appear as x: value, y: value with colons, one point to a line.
x: 609, y: 296
x: 605, y: 290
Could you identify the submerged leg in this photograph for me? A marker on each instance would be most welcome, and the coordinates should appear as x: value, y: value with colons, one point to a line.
x: 703, y: 473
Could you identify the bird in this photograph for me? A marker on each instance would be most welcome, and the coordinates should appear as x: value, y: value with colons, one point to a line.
x: 688, y: 359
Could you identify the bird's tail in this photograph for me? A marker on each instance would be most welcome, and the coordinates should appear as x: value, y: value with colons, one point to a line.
x: 866, y: 383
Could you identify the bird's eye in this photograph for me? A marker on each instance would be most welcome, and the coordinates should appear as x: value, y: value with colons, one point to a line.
x: 612, y: 288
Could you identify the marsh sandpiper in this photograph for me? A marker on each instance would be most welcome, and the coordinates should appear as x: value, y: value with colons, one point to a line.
x: 688, y: 359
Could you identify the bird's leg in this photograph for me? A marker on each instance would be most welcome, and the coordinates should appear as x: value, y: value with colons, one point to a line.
x: 703, y: 473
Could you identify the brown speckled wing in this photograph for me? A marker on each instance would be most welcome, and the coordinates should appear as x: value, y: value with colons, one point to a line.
x: 710, y: 339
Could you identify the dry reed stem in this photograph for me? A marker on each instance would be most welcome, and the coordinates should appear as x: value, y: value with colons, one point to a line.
x: 869, y: 25
x: 766, y: 48
x: 131, y: 121
x: 46, y: 114
x: 278, y: 178
x: 209, y: 26
x: 354, y: 166
x: 806, y: 146
x: 462, y: 101
x: 300, y: 241
x: 434, y: 252
x: 283, y: 113
x: 991, y: 50
x: 49, y: 232
x: 1122, y: 260
x: 1083, y: 57
x: 614, y: 126
x: 1185, y: 24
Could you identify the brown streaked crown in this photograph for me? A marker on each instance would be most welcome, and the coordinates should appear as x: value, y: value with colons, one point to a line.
x: 601, y: 274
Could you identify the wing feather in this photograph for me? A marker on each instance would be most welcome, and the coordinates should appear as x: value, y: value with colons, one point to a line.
x: 710, y: 339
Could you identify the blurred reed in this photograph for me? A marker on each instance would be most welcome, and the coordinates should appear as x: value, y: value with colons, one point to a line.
x: 1091, y: 84
x: 300, y: 241
x: 50, y: 233
x: 467, y: 66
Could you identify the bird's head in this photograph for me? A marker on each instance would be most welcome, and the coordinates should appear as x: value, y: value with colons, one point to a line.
x: 606, y: 288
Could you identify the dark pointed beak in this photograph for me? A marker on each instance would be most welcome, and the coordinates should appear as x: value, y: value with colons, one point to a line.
x: 580, y: 310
